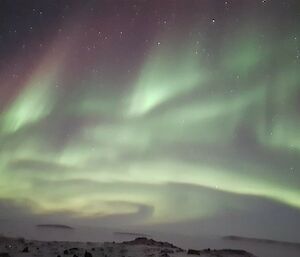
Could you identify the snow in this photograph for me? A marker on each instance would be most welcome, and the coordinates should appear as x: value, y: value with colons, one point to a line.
x: 18, y: 247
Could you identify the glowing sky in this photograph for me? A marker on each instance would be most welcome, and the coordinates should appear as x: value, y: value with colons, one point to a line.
x: 141, y: 113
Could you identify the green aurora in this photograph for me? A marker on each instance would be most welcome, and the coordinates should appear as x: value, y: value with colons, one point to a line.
x: 193, y: 112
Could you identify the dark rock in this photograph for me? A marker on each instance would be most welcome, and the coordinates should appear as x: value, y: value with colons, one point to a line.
x: 192, y: 251
x: 4, y: 255
x: 93, y: 249
x: 25, y: 250
x: 66, y: 252
x: 87, y: 254
x: 164, y: 255
x: 166, y: 250
x: 123, y: 251
x: 58, y: 256
x: 232, y: 251
x: 21, y: 240
x: 149, y: 242
x: 235, y: 252
x: 75, y: 255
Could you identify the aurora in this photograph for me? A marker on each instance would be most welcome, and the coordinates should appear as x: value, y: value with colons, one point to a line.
x: 160, y: 113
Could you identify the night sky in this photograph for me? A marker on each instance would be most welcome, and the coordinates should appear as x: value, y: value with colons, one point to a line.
x: 180, y: 116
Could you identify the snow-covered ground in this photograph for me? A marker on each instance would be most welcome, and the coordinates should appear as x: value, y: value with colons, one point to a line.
x: 94, y: 234
x: 14, y: 247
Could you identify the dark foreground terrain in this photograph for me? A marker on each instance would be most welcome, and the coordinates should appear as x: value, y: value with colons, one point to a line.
x: 140, y: 247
